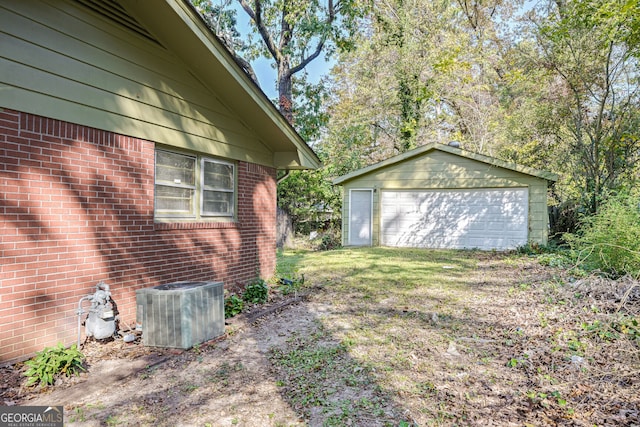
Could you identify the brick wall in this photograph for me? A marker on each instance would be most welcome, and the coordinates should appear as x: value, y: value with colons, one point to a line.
x: 77, y: 208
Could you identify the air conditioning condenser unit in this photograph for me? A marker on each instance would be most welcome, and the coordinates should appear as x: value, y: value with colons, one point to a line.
x: 180, y: 314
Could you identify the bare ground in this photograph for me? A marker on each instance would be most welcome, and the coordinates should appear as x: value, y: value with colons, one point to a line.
x: 224, y: 382
x: 522, y: 345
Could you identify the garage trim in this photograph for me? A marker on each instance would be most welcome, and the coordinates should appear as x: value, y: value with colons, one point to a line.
x: 438, y: 167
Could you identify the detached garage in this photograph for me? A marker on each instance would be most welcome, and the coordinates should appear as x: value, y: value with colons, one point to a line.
x: 439, y: 196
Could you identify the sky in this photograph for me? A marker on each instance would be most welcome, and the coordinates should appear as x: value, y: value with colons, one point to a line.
x: 267, y: 75
x: 317, y: 69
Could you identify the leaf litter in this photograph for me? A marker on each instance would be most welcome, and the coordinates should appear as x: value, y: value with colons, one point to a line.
x: 519, y: 344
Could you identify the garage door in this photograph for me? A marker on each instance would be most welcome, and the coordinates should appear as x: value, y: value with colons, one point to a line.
x: 457, y: 219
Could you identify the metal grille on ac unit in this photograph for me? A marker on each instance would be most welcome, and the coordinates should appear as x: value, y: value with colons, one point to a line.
x: 180, y: 314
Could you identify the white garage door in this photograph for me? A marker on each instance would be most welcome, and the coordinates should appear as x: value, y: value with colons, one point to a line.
x: 457, y: 219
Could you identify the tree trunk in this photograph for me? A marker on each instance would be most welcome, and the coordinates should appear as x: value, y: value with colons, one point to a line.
x: 285, y: 90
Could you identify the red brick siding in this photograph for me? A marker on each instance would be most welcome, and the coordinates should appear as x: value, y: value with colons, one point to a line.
x: 77, y: 207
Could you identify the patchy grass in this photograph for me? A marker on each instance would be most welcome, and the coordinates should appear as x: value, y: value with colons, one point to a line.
x: 384, y: 337
x: 323, y: 382
x: 462, y: 337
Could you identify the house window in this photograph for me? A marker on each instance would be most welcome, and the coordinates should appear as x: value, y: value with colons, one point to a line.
x: 194, y: 187
x: 217, y: 188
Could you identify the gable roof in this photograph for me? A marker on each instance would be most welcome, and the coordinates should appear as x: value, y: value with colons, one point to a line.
x: 451, y: 150
x: 180, y: 28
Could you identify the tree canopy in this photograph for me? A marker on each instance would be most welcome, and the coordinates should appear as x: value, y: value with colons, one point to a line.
x: 291, y: 33
x: 554, y: 86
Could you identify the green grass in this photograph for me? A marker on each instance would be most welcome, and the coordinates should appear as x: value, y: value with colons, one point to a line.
x: 401, y: 337
x: 385, y: 302
x: 446, y: 336
x: 367, y: 270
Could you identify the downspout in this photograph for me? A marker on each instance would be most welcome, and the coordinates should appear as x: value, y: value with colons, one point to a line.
x: 283, y: 177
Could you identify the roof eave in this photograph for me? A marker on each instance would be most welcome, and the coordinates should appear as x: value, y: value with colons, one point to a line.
x: 551, y: 177
x: 180, y: 28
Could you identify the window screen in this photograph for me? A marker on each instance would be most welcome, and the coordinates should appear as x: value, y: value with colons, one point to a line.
x: 175, y: 183
x: 191, y: 186
x: 217, y: 188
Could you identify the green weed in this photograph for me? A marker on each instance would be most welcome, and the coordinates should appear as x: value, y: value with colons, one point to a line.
x: 603, y: 331
x: 609, y: 241
x: 233, y: 305
x: 256, y: 292
x: 54, y: 361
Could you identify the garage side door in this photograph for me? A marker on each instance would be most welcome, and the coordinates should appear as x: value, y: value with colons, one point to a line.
x: 456, y: 219
x: 360, y: 217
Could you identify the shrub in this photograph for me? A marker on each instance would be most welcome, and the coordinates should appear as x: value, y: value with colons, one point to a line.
x: 609, y: 241
x: 233, y: 305
x: 558, y: 259
x: 52, y: 362
x: 330, y: 240
x: 256, y: 292
x: 533, y: 248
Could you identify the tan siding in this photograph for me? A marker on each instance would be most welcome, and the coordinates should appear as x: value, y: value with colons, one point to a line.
x: 538, y: 212
x: 376, y: 218
x: 444, y: 183
x: 440, y: 170
x: 444, y: 169
x: 67, y: 63
x: 154, y: 91
x: 346, y: 205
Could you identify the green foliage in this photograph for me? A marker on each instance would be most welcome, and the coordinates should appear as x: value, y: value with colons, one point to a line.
x: 619, y: 18
x: 549, y: 255
x: 288, y: 285
x: 292, y: 34
x: 628, y: 326
x: 533, y: 248
x: 52, y: 362
x: 545, y: 400
x: 513, y: 362
x: 310, y: 115
x: 256, y: 292
x: 559, y: 259
x: 330, y: 240
x: 222, y: 21
x: 609, y: 241
x: 310, y: 199
x: 233, y: 305
x: 585, y: 46
x: 411, y: 96
x: 603, y: 331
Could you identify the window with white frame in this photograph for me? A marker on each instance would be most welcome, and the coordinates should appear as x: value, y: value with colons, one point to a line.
x: 191, y: 186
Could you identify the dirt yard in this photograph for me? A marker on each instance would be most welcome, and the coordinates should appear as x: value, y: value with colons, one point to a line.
x: 464, y: 339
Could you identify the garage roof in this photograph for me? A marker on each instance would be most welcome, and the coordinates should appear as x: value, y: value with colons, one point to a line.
x: 447, y: 149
